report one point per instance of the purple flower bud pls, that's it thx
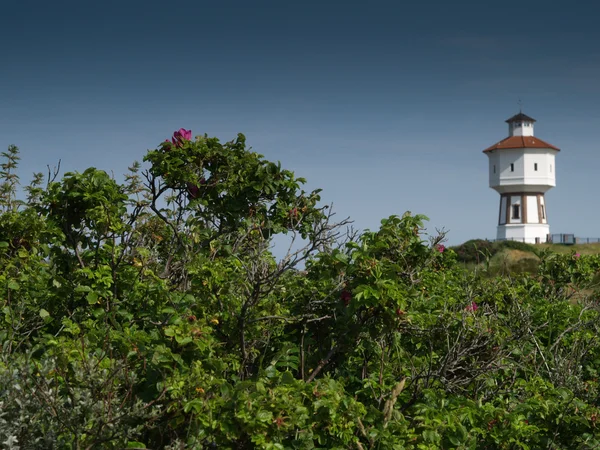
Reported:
(346, 296)
(193, 190)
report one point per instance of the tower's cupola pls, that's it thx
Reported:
(520, 125)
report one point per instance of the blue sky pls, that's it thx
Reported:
(386, 106)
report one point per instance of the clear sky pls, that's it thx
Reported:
(385, 105)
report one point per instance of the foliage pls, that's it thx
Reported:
(517, 245)
(475, 251)
(493, 258)
(478, 250)
(154, 314)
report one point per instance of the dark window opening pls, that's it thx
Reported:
(543, 212)
(535, 167)
(494, 168)
(516, 212)
(512, 167)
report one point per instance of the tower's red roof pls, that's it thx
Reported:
(520, 142)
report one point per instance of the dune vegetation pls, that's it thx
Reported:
(153, 314)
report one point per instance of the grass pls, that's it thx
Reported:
(511, 261)
(582, 249)
(510, 257)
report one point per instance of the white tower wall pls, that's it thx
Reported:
(531, 168)
(532, 213)
(532, 234)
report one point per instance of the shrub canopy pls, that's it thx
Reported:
(153, 314)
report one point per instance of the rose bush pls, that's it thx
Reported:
(153, 314)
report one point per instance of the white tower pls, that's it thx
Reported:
(521, 170)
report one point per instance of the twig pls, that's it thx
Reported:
(322, 364)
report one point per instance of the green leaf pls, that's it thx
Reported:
(12, 284)
(92, 298)
(287, 378)
(170, 331)
(431, 436)
(183, 340)
(454, 440)
(134, 444)
(264, 416)
(3, 244)
(44, 313)
(83, 289)
(195, 404)
(339, 256)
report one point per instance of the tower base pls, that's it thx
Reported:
(531, 233)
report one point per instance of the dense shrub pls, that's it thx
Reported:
(475, 251)
(516, 245)
(152, 314)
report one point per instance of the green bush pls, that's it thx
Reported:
(475, 251)
(516, 245)
(152, 314)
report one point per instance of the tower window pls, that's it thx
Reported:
(516, 212)
(550, 168)
(543, 212)
(494, 168)
(535, 166)
(512, 167)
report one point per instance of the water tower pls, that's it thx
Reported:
(521, 170)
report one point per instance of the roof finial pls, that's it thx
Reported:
(520, 103)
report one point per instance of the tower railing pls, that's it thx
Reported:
(561, 238)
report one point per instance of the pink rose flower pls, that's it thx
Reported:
(441, 248)
(472, 307)
(577, 255)
(186, 134)
(181, 135)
